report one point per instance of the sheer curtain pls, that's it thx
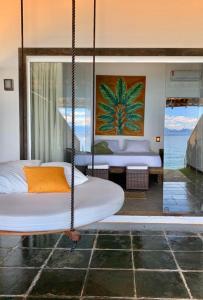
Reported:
(49, 130)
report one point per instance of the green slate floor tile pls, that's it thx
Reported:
(86, 242)
(10, 241)
(21, 257)
(147, 232)
(195, 283)
(119, 232)
(180, 233)
(52, 297)
(15, 281)
(60, 283)
(112, 259)
(88, 231)
(113, 242)
(150, 243)
(190, 260)
(109, 283)
(154, 260)
(65, 258)
(185, 243)
(3, 253)
(160, 285)
(12, 298)
(41, 241)
(108, 298)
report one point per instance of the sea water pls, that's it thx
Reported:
(175, 151)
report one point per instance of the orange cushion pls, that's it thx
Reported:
(46, 180)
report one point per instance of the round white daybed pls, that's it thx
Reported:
(95, 200)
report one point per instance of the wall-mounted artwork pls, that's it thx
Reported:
(120, 102)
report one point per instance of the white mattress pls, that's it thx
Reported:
(150, 159)
(95, 200)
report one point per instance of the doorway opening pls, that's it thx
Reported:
(183, 148)
(155, 200)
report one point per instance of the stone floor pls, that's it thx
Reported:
(105, 265)
(143, 202)
(175, 176)
(183, 198)
(178, 195)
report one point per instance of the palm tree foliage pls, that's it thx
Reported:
(120, 111)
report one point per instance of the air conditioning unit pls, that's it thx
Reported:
(186, 75)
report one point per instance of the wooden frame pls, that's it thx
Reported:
(74, 235)
(8, 84)
(81, 52)
(118, 125)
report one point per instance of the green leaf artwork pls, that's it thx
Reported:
(120, 110)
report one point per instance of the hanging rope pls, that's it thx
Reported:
(22, 67)
(73, 117)
(93, 84)
(22, 34)
(73, 234)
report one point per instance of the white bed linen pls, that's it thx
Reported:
(136, 146)
(95, 200)
(120, 159)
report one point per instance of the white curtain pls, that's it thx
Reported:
(49, 130)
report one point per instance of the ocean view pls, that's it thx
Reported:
(174, 151)
(180, 122)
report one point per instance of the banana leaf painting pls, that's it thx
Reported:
(120, 104)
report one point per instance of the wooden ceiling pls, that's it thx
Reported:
(178, 102)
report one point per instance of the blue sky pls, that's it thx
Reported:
(175, 118)
(82, 125)
(182, 117)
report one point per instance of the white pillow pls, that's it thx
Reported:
(137, 146)
(79, 177)
(12, 177)
(113, 145)
(22, 163)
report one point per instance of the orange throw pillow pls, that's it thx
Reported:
(46, 180)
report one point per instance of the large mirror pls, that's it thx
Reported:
(161, 127)
(183, 141)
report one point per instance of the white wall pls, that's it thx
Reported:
(9, 101)
(154, 97)
(129, 23)
(9, 117)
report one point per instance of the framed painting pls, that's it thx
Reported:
(120, 105)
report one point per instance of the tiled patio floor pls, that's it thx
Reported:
(178, 195)
(183, 198)
(105, 265)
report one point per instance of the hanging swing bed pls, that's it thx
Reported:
(34, 214)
